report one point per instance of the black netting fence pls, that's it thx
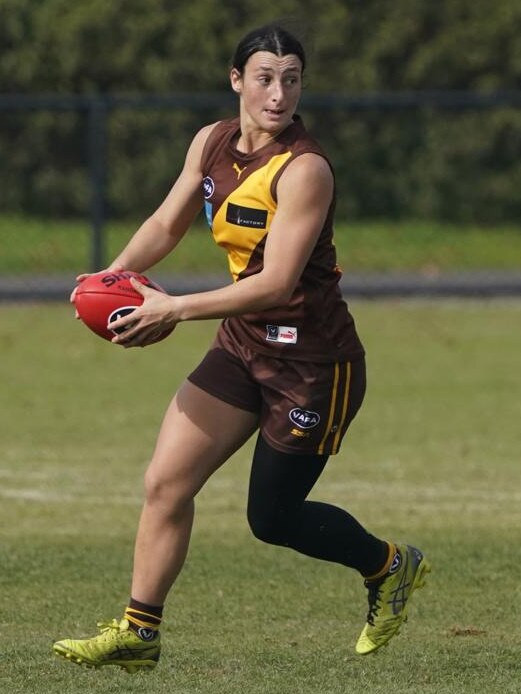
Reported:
(428, 186)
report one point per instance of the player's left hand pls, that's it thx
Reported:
(148, 322)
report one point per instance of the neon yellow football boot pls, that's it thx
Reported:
(116, 644)
(388, 598)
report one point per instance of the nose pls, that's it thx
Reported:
(277, 91)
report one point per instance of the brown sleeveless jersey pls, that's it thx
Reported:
(240, 192)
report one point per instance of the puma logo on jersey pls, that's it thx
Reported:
(238, 169)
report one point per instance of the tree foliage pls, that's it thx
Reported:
(459, 165)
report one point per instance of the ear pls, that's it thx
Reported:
(236, 80)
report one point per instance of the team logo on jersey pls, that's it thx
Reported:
(281, 333)
(304, 419)
(208, 187)
(246, 216)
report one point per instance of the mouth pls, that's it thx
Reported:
(275, 111)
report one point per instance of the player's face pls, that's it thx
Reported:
(270, 88)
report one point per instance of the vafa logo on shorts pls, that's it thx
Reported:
(281, 333)
(304, 419)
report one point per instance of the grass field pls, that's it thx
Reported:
(432, 459)
(32, 245)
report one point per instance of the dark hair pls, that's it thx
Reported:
(271, 38)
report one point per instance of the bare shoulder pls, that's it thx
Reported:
(203, 134)
(195, 151)
(310, 169)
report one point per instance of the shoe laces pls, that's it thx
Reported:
(107, 628)
(373, 595)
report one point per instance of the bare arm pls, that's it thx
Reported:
(304, 194)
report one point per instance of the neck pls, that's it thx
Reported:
(252, 138)
(250, 142)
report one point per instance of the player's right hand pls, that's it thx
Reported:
(79, 279)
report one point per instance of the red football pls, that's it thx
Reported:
(104, 297)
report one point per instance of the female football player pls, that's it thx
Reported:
(286, 361)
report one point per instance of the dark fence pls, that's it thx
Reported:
(97, 109)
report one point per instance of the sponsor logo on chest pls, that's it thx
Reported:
(246, 216)
(281, 333)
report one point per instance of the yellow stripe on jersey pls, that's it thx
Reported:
(331, 410)
(253, 193)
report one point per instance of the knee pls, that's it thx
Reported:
(271, 528)
(155, 485)
(165, 494)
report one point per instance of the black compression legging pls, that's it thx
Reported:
(279, 514)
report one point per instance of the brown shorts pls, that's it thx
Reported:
(304, 407)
